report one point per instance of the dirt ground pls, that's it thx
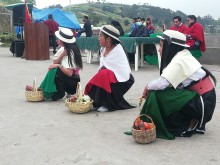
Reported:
(47, 133)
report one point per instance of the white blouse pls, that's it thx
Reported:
(161, 83)
(64, 61)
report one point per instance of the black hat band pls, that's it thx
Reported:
(110, 32)
(166, 37)
(64, 35)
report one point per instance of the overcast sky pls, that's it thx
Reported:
(196, 7)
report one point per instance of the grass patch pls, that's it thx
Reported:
(5, 44)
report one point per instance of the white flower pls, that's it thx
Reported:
(86, 98)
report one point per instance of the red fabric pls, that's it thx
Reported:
(27, 14)
(197, 33)
(202, 86)
(52, 26)
(181, 29)
(102, 79)
(150, 26)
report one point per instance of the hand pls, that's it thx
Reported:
(145, 93)
(53, 66)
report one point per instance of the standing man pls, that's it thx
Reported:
(178, 25)
(87, 27)
(195, 34)
(53, 26)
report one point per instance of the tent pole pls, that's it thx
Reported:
(69, 4)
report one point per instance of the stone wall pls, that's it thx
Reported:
(212, 54)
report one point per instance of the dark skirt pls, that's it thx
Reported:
(114, 100)
(64, 84)
(178, 122)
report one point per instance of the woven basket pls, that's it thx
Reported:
(146, 136)
(79, 106)
(34, 95)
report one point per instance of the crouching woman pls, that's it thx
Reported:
(182, 100)
(114, 76)
(63, 74)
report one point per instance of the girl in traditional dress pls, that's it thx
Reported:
(63, 74)
(114, 77)
(182, 100)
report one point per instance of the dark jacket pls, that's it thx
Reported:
(140, 31)
(87, 28)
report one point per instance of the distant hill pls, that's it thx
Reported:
(103, 13)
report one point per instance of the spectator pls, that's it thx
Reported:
(53, 26)
(143, 21)
(133, 26)
(150, 26)
(195, 34)
(178, 25)
(139, 31)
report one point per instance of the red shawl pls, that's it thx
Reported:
(182, 28)
(197, 33)
(102, 79)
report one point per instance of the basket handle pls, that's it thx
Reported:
(35, 84)
(146, 116)
(78, 90)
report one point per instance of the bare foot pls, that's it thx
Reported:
(29, 88)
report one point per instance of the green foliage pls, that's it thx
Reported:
(6, 38)
(102, 13)
(56, 6)
(7, 2)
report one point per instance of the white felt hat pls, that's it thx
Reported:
(65, 35)
(174, 37)
(111, 31)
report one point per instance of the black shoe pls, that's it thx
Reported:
(187, 133)
(200, 130)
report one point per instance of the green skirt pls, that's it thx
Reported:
(160, 104)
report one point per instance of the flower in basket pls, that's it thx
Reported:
(80, 98)
(86, 98)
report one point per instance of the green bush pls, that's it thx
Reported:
(7, 38)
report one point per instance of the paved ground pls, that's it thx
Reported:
(47, 133)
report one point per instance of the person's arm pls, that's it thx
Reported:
(66, 71)
(59, 58)
(158, 84)
(84, 28)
